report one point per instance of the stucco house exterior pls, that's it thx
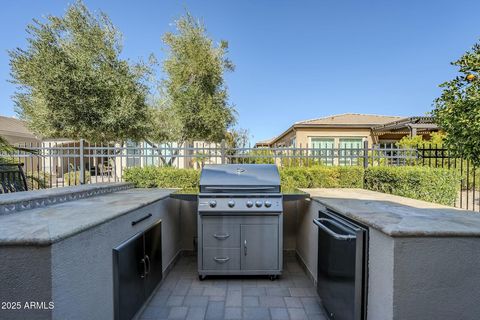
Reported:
(349, 130)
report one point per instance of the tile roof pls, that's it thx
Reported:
(265, 142)
(350, 119)
(15, 127)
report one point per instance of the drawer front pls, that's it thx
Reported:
(221, 235)
(221, 259)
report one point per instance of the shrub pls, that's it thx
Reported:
(321, 177)
(430, 184)
(300, 162)
(162, 177)
(258, 156)
(294, 177)
(73, 178)
(351, 177)
(38, 179)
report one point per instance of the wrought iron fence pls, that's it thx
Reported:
(62, 163)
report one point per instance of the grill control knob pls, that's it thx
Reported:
(249, 204)
(268, 204)
(258, 204)
(231, 203)
(212, 203)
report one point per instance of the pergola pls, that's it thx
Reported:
(412, 126)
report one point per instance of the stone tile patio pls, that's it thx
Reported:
(183, 296)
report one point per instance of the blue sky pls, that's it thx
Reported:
(294, 60)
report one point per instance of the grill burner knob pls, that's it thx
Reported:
(231, 203)
(249, 204)
(258, 204)
(268, 204)
(212, 203)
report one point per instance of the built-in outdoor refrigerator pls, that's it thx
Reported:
(342, 266)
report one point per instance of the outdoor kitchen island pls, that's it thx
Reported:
(56, 245)
(423, 259)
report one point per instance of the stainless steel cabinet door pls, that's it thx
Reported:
(259, 249)
(129, 273)
(153, 257)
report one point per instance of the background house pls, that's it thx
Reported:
(15, 131)
(104, 162)
(349, 130)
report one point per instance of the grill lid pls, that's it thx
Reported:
(240, 178)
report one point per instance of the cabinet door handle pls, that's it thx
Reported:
(147, 259)
(144, 268)
(141, 219)
(221, 236)
(245, 247)
(221, 260)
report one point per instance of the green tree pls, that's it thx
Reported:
(237, 138)
(195, 96)
(5, 147)
(73, 84)
(457, 110)
(436, 140)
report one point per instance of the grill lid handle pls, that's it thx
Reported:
(240, 188)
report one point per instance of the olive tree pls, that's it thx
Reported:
(72, 83)
(194, 104)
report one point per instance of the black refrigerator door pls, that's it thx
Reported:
(128, 277)
(340, 267)
(153, 257)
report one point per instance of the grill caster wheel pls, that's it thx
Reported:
(201, 277)
(273, 277)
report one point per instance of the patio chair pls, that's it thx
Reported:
(12, 178)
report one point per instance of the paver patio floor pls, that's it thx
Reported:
(183, 296)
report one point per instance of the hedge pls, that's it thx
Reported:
(430, 184)
(322, 177)
(293, 177)
(162, 177)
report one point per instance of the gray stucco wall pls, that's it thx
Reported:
(423, 278)
(24, 274)
(307, 235)
(437, 278)
(290, 223)
(188, 224)
(380, 283)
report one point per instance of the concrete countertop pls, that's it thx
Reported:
(46, 225)
(19, 201)
(398, 216)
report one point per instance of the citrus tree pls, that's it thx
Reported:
(457, 110)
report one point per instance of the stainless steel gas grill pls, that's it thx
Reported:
(240, 216)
